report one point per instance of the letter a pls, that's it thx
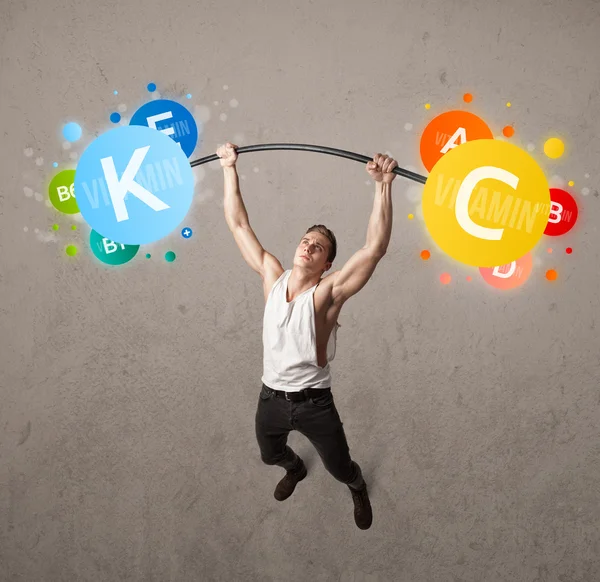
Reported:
(451, 143)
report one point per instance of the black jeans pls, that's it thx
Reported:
(318, 420)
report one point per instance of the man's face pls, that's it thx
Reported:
(316, 247)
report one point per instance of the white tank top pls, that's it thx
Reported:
(289, 341)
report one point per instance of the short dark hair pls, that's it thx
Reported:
(329, 234)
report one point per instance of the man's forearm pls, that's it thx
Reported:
(235, 211)
(380, 223)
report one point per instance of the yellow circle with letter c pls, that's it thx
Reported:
(486, 203)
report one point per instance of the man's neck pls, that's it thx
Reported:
(300, 281)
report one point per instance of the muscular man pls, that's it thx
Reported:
(301, 312)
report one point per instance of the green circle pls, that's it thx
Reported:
(74, 227)
(148, 255)
(71, 250)
(110, 252)
(55, 227)
(61, 192)
(170, 256)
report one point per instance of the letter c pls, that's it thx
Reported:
(461, 209)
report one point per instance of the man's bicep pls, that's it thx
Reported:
(253, 252)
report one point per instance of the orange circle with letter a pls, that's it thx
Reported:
(449, 130)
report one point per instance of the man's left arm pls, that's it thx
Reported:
(379, 231)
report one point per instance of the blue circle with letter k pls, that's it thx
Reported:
(134, 185)
(170, 118)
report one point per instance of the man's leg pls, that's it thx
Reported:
(319, 421)
(273, 424)
(272, 428)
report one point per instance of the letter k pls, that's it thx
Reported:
(119, 188)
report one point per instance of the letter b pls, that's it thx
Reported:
(556, 209)
(110, 246)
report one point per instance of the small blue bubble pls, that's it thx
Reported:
(115, 92)
(115, 117)
(189, 95)
(186, 232)
(72, 131)
(55, 164)
(151, 87)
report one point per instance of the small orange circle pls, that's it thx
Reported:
(469, 278)
(508, 131)
(550, 250)
(445, 278)
(551, 275)
(468, 97)
(425, 255)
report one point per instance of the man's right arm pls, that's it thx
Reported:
(235, 211)
(237, 220)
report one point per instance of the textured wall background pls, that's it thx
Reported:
(128, 394)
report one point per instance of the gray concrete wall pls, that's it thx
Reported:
(127, 447)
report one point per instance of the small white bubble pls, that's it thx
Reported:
(25, 229)
(234, 103)
(225, 87)
(238, 138)
(28, 152)
(122, 108)
(39, 161)
(66, 145)
(48, 204)
(199, 174)
(557, 181)
(215, 102)
(243, 176)
(537, 261)
(419, 212)
(36, 230)
(587, 175)
(204, 195)
(530, 147)
(408, 126)
(255, 170)
(46, 237)
(500, 137)
(73, 155)
(223, 117)
(368, 182)
(28, 192)
(585, 191)
(414, 193)
(202, 113)
(38, 197)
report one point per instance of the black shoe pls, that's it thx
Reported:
(286, 486)
(363, 514)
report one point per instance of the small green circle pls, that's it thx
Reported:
(61, 192)
(74, 227)
(148, 255)
(111, 252)
(55, 227)
(71, 250)
(170, 256)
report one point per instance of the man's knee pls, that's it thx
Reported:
(270, 460)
